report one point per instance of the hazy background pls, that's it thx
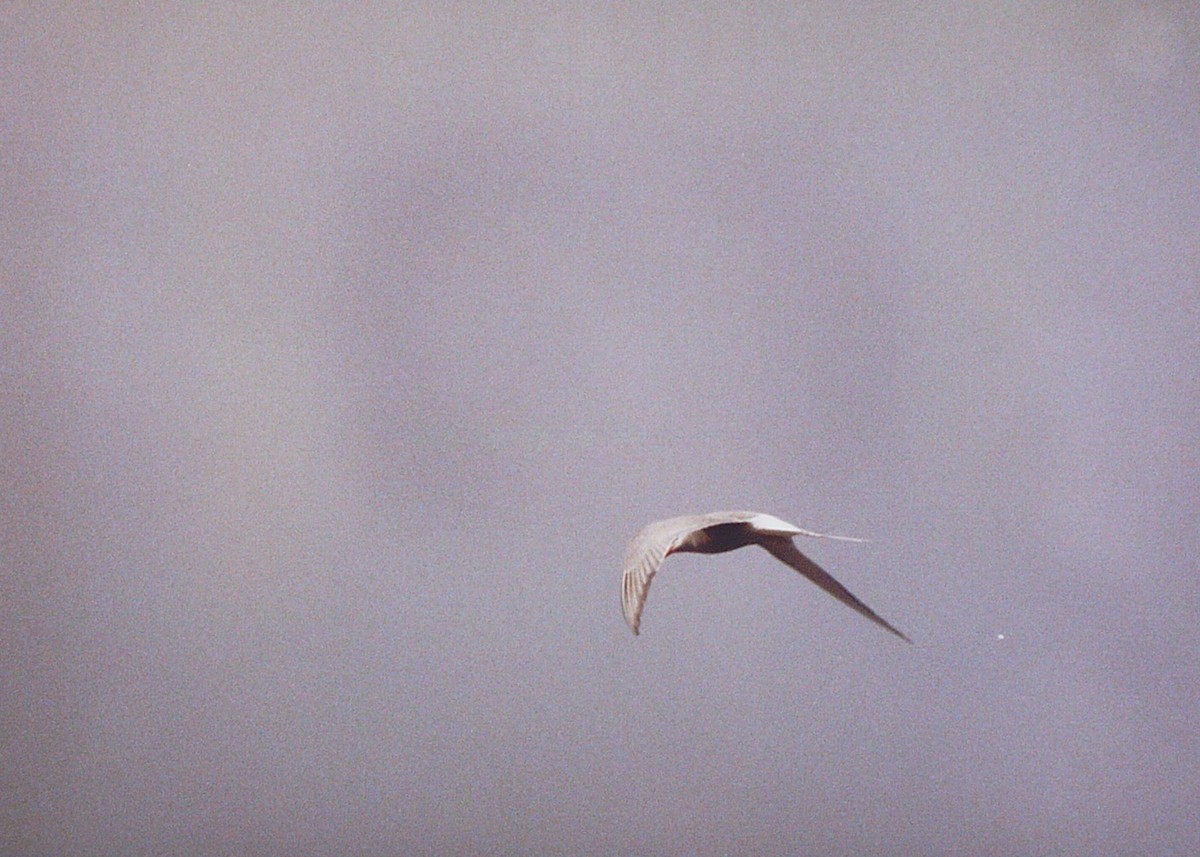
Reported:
(342, 353)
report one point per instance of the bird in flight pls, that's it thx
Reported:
(718, 532)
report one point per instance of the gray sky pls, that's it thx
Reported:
(342, 354)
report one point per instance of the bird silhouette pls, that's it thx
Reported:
(718, 532)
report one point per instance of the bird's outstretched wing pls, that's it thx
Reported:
(645, 554)
(783, 549)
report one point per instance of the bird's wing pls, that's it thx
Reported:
(645, 554)
(783, 549)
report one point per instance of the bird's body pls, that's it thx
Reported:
(718, 532)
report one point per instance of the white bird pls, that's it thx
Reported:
(718, 532)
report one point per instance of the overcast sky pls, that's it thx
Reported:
(343, 352)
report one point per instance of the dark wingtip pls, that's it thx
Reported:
(888, 626)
